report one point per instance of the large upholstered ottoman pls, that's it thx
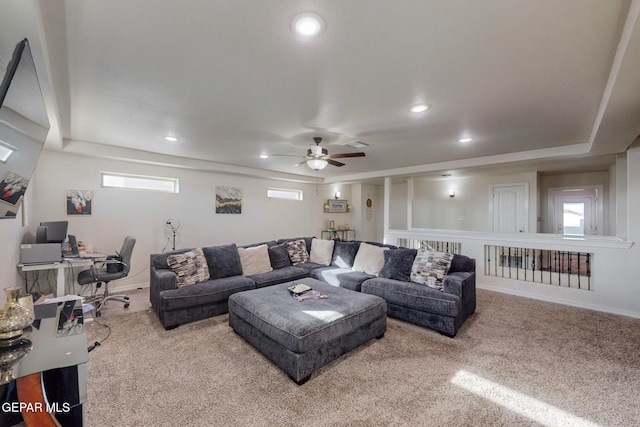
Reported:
(301, 337)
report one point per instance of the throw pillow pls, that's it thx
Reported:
(190, 267)
(279, 257)
(321, 251)
(344, 253)
(369, 259)
(223, 260)
(255, 260)
(297, 252)
(430, 267)
(398, 263)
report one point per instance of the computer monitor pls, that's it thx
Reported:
(56, 231)
(41, 234)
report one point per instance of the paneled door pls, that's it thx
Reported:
(509, 208)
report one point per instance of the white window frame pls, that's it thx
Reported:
(136, 182)
(272, 193)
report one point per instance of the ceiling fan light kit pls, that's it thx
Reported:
(317, 164)
(317, 157)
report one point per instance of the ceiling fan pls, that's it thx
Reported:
(318, 158)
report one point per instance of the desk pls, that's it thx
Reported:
(61, 268)
(55, 367)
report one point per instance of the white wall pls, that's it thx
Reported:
(468, 210)
(368, 220)
(621, 197)
(398, 206)
(142, 214)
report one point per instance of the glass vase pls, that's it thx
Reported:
(10, 355)
(13, 316)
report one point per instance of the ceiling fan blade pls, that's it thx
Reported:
(338, 156)
(285, 155)
(300, 163)
(333, 162)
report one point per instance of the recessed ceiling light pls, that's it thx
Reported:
(465, 140)
(264, 156)
(308, 24)
(419, 108)
(171, 138)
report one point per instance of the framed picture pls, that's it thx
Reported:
(337, 205)
(79, 202)
(12, 188)
(228, 200)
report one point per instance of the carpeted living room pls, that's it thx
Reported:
(516, 361)
(320, 213)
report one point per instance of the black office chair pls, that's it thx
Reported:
(104, 271)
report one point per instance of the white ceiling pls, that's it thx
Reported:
(530, 81)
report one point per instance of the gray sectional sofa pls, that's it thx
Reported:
(442, 310)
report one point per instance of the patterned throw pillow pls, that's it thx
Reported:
(190, 267)
(298, 252)
(430, 267)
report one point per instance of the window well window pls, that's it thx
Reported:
(139, 182)
(281, 193)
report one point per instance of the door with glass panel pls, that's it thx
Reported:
(574, 215)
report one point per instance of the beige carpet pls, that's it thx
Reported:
(516, 362)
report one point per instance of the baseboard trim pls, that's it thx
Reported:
(562, 301)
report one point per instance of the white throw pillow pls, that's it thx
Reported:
(255, 260)
(321, 251)
(369, 259)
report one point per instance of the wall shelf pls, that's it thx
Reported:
(343, 235)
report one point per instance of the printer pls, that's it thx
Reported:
(40, 253)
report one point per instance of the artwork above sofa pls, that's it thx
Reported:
(432, 289)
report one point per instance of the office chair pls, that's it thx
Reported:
(104, 271)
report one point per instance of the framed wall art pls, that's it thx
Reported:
(228, 200)
(336, 205)
(79, 202)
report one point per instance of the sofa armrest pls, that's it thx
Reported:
(160, 279)
(463, 285)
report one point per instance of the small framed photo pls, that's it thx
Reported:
(79, 202)
(337, 205)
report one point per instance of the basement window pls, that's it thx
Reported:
(281, 193)
(139, 182)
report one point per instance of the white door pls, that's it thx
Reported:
(509, 208)
(574, 215)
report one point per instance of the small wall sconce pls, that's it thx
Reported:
(348, 208)
(337, 195)
(452, 192)
(326, 207)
